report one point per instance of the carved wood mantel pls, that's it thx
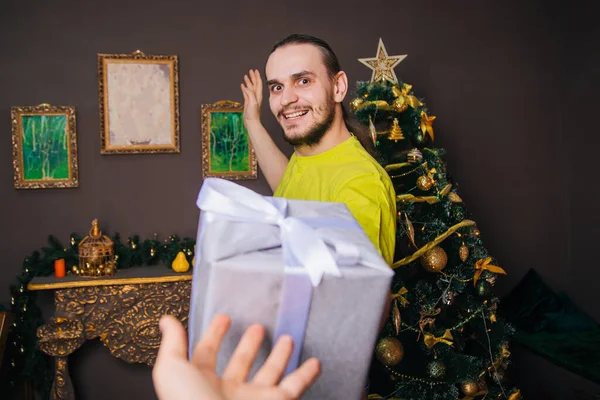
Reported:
(122, 310)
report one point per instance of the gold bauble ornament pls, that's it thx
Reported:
(354, 104)
(434, 260)
(469, 388)
(414, 156)
(463, 253)
(389, 351)
(400, 104)
(424, 183)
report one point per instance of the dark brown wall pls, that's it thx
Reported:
(499, 76)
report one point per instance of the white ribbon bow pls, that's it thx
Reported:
(302, 245)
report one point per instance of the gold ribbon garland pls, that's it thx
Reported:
(484, 265)
(391, 167)
(430, 340)
(383, 105)
(402, 97)
(432, 244)
(377, 396)
(423, 199)
(418, 199)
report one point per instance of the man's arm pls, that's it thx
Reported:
(271, 160)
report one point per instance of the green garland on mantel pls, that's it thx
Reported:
(26, 361)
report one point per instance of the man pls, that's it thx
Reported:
(306, 90)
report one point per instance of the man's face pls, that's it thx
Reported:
(301, 93)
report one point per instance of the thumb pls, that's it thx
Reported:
(174, 339)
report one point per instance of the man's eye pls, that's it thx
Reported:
(275, 88)
(304, 81)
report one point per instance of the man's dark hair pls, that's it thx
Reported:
(332, 64)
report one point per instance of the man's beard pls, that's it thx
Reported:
(315, 133)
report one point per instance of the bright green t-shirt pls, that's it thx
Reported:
(347, 174)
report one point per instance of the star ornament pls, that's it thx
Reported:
(383, 65)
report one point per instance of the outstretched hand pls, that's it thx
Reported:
(176, 377)
(253, 94)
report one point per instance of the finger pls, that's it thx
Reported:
(259, 87)
(257, 78)
(253, 75)
(273, 368)
(241, 361)
(249, 82)
(174, 339)
(298, 381)
(205, 352)
(244, 93)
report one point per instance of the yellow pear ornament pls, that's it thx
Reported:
(180, 264)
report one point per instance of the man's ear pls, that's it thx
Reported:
(340, 86)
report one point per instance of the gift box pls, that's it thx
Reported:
(302, 268)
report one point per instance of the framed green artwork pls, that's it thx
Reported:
(44, 140)
(226, 149)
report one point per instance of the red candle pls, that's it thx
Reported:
(59, 268)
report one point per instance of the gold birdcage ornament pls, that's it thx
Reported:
(96, 254)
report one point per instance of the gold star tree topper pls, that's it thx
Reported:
(383, 65)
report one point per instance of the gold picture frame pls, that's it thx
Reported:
(226, 148)
(139, 103)
(44, 140)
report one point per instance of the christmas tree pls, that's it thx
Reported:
(443, 339)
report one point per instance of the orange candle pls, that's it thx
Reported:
(59, 268)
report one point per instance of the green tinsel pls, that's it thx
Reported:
(26, 362)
